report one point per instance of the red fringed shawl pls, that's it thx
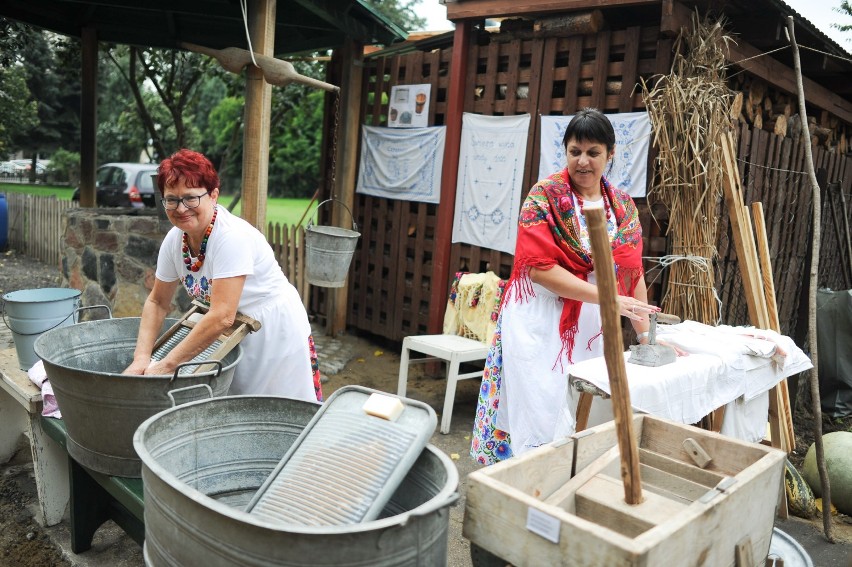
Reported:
(548, 234)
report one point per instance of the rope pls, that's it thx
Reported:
(702, 263)
(248, 35)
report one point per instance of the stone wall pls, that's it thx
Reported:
(111, 256)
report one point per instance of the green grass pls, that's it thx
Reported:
(60, 191)
(283, 211)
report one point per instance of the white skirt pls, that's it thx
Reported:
(276, 359)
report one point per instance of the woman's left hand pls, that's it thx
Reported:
(160, 368)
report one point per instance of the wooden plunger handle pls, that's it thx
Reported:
(614, 353)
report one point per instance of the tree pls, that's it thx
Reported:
(18, 110)
(173, 75)
(400, 12)
(844, 8)
(51, 91)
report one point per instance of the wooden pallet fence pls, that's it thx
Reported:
(288, 245)
(36, 224)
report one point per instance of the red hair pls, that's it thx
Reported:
(193, 167)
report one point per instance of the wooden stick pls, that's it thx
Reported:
(614, 354)
(782, 391)
(812, 292)
(846, 226)
(743, 240)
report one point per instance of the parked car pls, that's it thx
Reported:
(124, 185)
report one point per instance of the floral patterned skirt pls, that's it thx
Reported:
(489, 444)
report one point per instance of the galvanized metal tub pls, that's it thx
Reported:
(102, 407)
(203, 461)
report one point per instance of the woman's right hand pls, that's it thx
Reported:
(137, 367)
(634, 309)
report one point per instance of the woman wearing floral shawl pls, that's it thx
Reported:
(550, 316)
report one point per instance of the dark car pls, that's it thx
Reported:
(124, 185)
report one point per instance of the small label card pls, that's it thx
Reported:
(543, 524)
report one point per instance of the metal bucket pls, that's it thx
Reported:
(329, 251)
(102, 407)
(784, 551)
(203, 462)
(30, 312)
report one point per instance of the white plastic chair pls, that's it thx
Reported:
(452, 349)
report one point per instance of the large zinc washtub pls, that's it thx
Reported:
(203, 461)
(102, 407)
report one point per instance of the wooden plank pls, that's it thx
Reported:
(774, 72)
(599, 500)
(680, 469)
(743, 239)
(572, 83)
(666, 484)
(563, 497)
(601, 69)
(480, 9)
(730, 456)
(631, 63)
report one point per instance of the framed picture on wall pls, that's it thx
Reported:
(409, 106)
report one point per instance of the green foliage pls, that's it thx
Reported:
(18, 111)
(65, 166)
(294, 148)
(400, 12)
(844, 8)
(55, 91)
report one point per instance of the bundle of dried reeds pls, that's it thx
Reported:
(689, 109)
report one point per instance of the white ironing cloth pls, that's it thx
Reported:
(725, 364)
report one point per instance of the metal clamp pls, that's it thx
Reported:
(721, 487)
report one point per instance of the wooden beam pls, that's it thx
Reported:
(675, 15)
(479, 9)
(628, 447)
(449, 174)
(348, 136)
(257, 117)
(88, 116)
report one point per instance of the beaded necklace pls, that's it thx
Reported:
(580, 201)
(187, 253)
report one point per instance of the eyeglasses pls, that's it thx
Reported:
(191, 202)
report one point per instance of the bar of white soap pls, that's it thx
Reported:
(385, 407)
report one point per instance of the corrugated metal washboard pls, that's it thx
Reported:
(348, 461)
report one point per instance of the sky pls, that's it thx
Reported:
(819, 12)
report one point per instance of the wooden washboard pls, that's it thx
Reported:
(227, 341)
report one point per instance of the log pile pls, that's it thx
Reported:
(761, 106)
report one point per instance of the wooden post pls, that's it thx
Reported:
(88, 116)
(347, 165)
(812, 331)
(257, 116)
(614, 354)
(449, 175)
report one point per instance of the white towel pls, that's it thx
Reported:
(38, 376)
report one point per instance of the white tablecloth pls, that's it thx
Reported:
(726, 366)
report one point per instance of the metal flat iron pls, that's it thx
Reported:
(653, 354)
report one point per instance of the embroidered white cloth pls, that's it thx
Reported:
(632, 140)
(730, 366)
(491, 168)
(402, 164)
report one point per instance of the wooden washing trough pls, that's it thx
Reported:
(564, 503)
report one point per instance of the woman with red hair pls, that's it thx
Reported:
(227, 264)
